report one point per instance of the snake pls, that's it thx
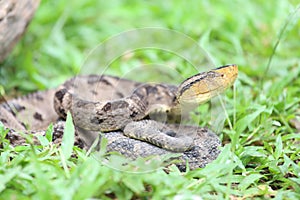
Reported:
(136, 119)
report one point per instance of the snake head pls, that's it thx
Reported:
(203, 86)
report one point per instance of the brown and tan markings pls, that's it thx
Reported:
(134, 117)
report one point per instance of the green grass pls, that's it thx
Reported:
(260, 157)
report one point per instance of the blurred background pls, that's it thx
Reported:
(62, 33)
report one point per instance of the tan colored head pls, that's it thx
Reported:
(203, 86)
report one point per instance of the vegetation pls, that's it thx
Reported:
(260, 156)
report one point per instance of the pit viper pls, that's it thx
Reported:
(137, 119)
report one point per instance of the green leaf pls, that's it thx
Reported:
(254, 151)
(89, 178)
(278, 147)
(8, 176)
(68, 137)
(248, 180)
(242, 124)
(43, 140)
(134, 183)
(49, 133)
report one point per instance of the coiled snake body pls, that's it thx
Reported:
(134, 117)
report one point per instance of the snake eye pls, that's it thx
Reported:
(171, 133)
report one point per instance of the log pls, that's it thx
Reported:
(15, 16)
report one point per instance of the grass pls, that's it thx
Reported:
(260, 156)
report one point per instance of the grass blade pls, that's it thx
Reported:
(68, 137)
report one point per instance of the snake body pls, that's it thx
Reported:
(134, 117)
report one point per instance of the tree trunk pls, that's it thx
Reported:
(15, 15)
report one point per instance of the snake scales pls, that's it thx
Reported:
(132, 116)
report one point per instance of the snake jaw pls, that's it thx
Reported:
(203, 86)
